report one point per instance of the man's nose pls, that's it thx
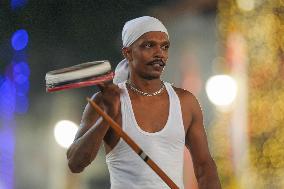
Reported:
(159, 52)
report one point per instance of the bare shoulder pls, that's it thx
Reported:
(190, 107)
(186, 97)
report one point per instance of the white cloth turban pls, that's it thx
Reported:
(132, 30)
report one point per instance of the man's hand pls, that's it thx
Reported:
(110, 98)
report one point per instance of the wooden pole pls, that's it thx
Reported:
(134, 146)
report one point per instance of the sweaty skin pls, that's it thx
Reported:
(147, 57)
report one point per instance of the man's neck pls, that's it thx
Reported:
(146, 85)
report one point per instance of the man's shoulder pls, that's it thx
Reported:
(183, 93)
(185, 96)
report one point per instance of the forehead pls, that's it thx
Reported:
(153, 36)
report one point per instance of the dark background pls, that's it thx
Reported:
(64, 33)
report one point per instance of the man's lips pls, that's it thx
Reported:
(159, 62)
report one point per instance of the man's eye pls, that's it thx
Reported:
(148, 45)
(166, 47)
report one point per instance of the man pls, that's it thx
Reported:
(159, 117)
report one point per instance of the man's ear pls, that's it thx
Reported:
(126, 51)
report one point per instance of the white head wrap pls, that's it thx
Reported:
(132, 30)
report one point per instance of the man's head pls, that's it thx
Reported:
(147, 56)
(145, 47)
(135, 28)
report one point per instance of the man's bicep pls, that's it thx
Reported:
(89, 117)
(196, 140)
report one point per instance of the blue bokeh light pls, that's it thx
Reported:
(23, 88)
(14, 86)
(20, 39)
(2, 79)
(21, 68)
(21, 72)
(22, 104)
(21, 79)
(16, 4)
(7, 148)
(7, 99)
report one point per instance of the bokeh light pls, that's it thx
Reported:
(221, 90)
(64, 133)
(262, 27)
(22, 104)
(7, 98)
(20, 39)
(7, 149)
(21, 72)
(1, 80)
(246, 5)
(1, 184)
(16, 4)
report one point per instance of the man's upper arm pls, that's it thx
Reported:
(89, 117)
(196, 140)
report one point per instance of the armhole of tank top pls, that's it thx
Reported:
(176, 98)
(110, 153)
(181, 113)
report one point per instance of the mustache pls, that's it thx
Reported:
(159, 61)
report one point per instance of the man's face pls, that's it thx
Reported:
(148, 55)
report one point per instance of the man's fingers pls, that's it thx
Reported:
(101, 86)
(109, 87)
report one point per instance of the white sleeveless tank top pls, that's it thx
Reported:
(165, 147)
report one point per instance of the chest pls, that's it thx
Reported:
(151, 113)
